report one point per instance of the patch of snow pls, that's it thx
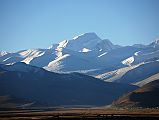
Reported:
(116, 74)
(147, 80)
(63, 44)
(58, 59)
(102, 54)
(31, 55)
(26, 53)
(128, 61)
(136, 53)
(85, 50)
(10, 63)
(151, 52)
(6, 59)
(27, 60)
(58, 54)
(2, 53)
(55, 65)
(77, 36)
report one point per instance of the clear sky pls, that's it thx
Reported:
(39, 23)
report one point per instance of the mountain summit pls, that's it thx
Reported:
(155, 44)
(86, 42)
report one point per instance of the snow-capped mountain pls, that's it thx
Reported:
(83, 52)
(86, 53)
(86, 42)
(155, 44)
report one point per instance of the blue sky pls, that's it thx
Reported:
(28, 24)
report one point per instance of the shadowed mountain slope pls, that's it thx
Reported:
(36, 84)
(146, 96)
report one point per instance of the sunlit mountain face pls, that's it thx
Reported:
(84, 53)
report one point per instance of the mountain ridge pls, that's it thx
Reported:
(84, 53)
(145, 97)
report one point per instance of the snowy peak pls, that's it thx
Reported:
(86, 42)
(86, 37)
(155, 44)
(157, 41)
(2, 53)
(62, 44)
(78, 43)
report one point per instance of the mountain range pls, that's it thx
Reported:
(80, 70)
(89, 50)
(40, 86)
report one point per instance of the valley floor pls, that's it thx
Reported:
(80, 113)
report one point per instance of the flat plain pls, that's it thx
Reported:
(79, 113)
